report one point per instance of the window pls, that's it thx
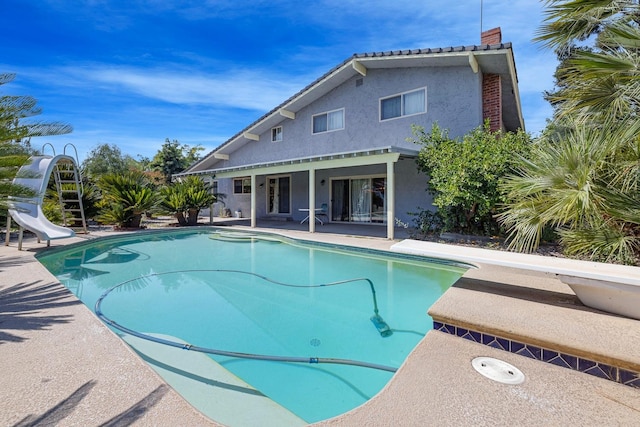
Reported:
(242, 186)
(276, 134)
(404, 104)
(327, 122)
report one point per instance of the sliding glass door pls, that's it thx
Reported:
(359, 199)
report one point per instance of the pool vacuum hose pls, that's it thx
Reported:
(382, 326)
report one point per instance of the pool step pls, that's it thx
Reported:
(211, 388)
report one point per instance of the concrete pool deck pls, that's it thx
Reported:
(62, 366)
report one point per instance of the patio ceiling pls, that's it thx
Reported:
(325, 161)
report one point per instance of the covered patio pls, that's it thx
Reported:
(306, 185)
(329, 228)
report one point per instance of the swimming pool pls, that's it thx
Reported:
(265, 295)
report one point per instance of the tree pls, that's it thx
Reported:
(106, 159)
(464, 174)
(174, 157)
(16, 131)
(13, 112)
(584, 179)
(583, 183)
(603, 80)
(12, 156)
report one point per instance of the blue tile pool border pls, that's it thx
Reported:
(208, 229)
(591, 367)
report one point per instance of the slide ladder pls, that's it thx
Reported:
(27, 212)
(70, 189)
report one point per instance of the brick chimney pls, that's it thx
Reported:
(492, 36)
(491, 85)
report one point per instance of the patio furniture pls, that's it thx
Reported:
(317, 211)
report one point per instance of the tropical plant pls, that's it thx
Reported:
(173, 201)
(185, 198)
(582, 182)
(601, 81)
(125, 197)
(464, 174)
(12, 156)
(16, 131)
(585, 176)
(13, 112)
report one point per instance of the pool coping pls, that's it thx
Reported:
(38, 383)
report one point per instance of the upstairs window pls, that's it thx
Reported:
(276, 134)
(329, 121)
(242, 186)
(404, 104)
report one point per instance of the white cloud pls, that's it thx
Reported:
(246, 89)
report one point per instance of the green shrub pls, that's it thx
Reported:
(464, 174)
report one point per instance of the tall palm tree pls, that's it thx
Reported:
(584, 178)
(603, 81)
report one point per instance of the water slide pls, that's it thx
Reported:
(28, 212)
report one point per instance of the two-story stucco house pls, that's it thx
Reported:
(340, 144)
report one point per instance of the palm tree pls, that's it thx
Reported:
(15, 138)
(582, 183)
(604, 81)
(125, 197)
(584, 178)
(185, 198)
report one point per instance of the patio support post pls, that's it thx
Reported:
(312, 200)
(253, 201)
(391, 199)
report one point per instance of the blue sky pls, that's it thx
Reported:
(134, 72)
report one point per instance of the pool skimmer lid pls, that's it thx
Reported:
(498, 370)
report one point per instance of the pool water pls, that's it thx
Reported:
(261, 295)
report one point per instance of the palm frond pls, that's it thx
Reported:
(606, 243)
(569, 20)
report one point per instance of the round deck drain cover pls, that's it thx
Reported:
(498, 370)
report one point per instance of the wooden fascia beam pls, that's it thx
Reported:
(251, 136)
(473, 62)
(220, 156)
(359, 67)
(288, 114)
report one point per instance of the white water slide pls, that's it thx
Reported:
(27, 212)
